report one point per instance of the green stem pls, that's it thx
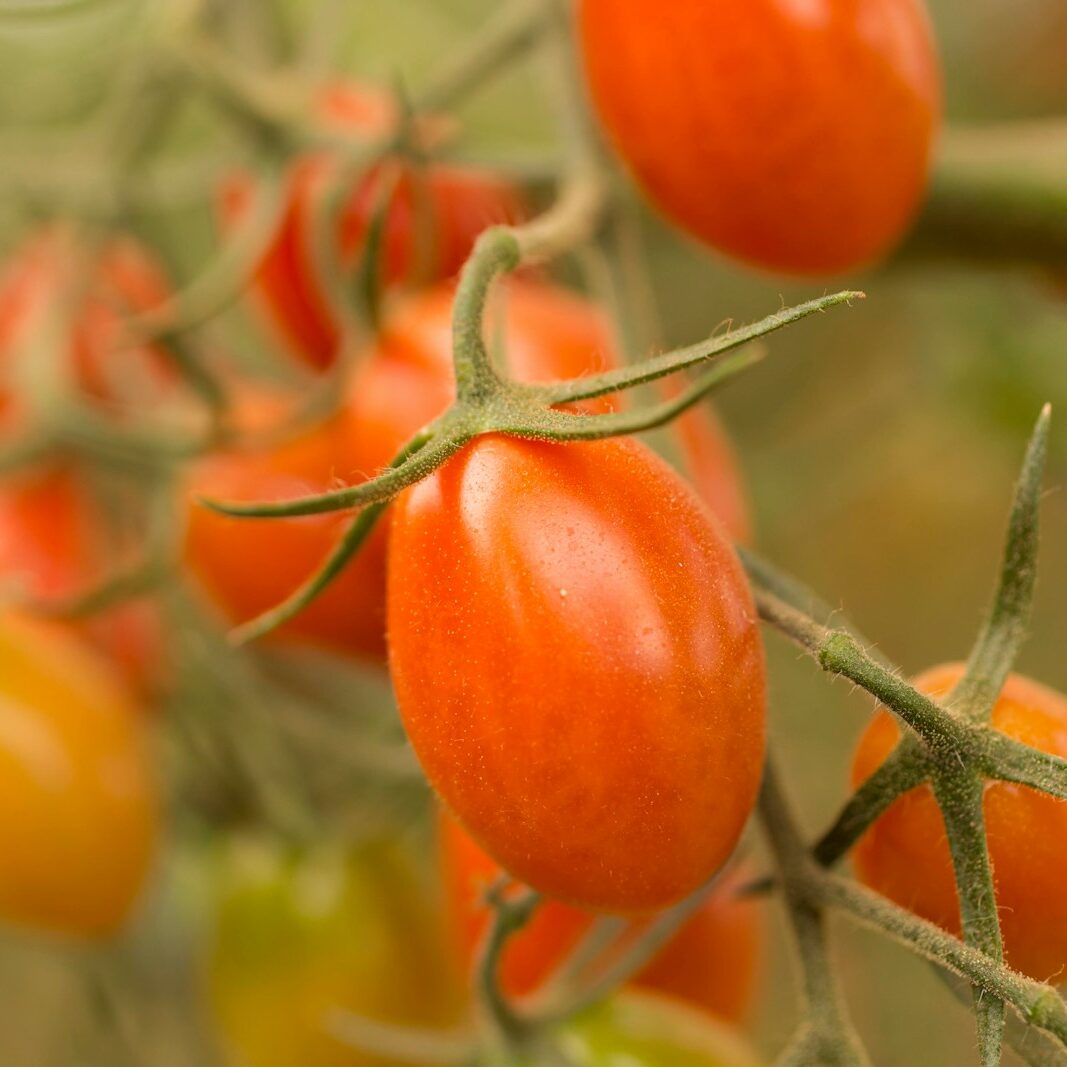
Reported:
(827, 1036)
(906, 768)
(1002, 636)
(960, 796)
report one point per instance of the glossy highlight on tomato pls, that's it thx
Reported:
(795, 135)
(455, 203)
(78, 793)
(578, 665)
(712, 961)
(299, 938)
(649, 1030)
(905, 855)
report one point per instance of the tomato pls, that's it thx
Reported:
(793, 136)
(247, 566)
(578, 665)
(99, 289)
(55, 545)
(78, 794)
(905, 855)
(711, 962)
(299, 938)
(459, 203)
(404, 380)
(652, 1031)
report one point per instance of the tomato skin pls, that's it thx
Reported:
(653, 1031)
(54, 547)
(905, 855)
(460, 202)
(247, 566)
(577, 663)
(78, 794)
(795, 137)
(712, 962)
(297, 938)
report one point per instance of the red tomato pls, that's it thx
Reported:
(250, 565)
(793, 135)
(300, 938)
(121, 279)
(459, 203)
(403, 382)
(712, 961)
(578, 665)
(78, 796)
(905, 855)
(55, 546)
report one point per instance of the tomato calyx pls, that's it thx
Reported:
(490, 402)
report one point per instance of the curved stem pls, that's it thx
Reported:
(424, 454)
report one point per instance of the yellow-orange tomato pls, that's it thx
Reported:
(712, 961)
(457, 202)
(78, 804)
(301, 939)
(905, 855)
(578, 665)
(793, 135)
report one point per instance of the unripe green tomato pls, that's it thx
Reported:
(299, 939)
(639, 1030)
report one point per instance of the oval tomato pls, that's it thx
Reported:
(78, 794)
(905, 855)
(652, 1031)
(297, 939)
(247, 566)
(578, 665)
(457, 202)
(404, 381)
(55, 545)
(711, 962)
(794, 136)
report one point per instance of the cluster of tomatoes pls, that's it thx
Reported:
(568, 629)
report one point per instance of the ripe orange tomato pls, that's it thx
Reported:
(55, 545)
(905, 855)
(793, 136)
(653, 1031)
(404, 380)
(247, 566)
(459, 203)
(51, 269)
(578, 665)
(297, 939)
(712, 961)
(78, 795)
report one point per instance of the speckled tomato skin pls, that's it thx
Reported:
(794, 135)
(905, 855)
(578, 665)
